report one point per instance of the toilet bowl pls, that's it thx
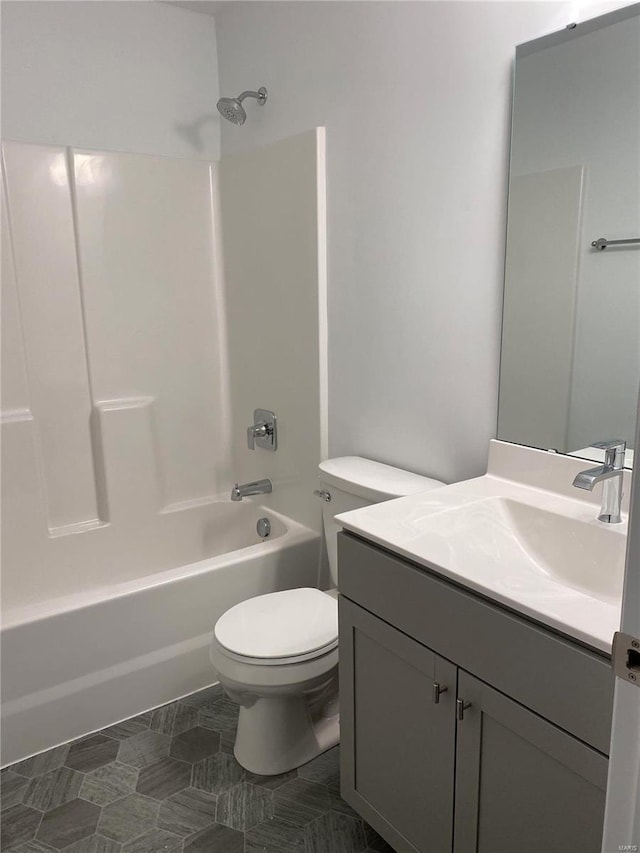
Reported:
(276, 655)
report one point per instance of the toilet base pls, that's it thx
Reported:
(279, 733)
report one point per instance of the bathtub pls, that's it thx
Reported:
(77, 663)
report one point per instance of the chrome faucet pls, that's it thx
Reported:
(611, 473)
(260, 487)
(263, 432)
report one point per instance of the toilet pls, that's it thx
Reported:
(276, 655)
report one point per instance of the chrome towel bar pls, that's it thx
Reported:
(602, 242)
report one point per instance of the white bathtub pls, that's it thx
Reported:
(75, 664)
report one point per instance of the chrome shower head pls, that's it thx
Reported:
(232, 109)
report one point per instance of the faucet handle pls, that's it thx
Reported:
(262, 433)
(614, 451)
(256, 431)
(610, 443)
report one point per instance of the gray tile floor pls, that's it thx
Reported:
(167, 782)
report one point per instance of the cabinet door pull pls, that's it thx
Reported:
(437, 690)
(461, 707)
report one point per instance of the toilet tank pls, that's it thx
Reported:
(354, 482)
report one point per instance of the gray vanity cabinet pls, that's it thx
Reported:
(521, 783)
(521, 768)
(401, 740)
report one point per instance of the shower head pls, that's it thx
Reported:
(232, 109)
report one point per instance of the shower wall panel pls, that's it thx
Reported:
(274, 231)
(145, 239)
(44, 255)
(545, 209)
(114, 397)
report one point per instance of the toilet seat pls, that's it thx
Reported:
(280, 627)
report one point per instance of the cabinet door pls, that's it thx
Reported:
(522, 783)
(397, 743)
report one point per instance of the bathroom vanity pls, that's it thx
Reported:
(476, 687)
(465, 727)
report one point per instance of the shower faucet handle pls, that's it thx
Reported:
(253, 432)
(263, 432)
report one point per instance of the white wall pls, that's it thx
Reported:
(586, 9)
(120, 76)
(416, 100)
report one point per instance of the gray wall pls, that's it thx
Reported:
(416, 101)
(128, 76)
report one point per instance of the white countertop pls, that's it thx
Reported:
(463, 532)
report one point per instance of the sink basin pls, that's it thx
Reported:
(517, 543)
(520, 535)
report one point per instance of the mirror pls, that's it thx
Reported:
(570, 365)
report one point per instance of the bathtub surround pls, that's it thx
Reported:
(535, 380)
(108, 433)
(128, 384)
(121, 436)
(167, 780)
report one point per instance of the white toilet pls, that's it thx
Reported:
(277, 654)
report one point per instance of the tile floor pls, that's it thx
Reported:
(167, 782)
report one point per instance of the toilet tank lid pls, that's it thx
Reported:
(373, 480)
